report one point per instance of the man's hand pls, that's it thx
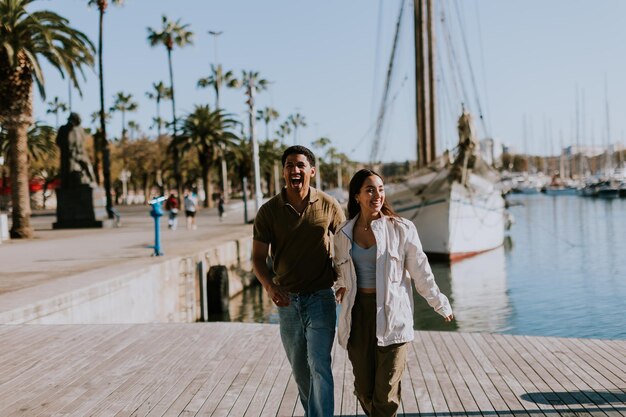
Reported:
(277, 295)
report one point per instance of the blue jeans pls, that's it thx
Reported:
(307, 329)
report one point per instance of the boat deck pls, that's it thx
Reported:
(237, 369)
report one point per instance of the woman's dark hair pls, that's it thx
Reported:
(299, 150)
(355, 187)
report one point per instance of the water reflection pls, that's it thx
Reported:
(476, 288)
(562, 272)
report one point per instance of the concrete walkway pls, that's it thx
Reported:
(46, 263)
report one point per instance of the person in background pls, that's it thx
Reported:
(171, 205)
(297, 225)
(191, 207)
(376, 256)
(220, 206)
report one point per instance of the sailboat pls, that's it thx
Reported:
(453, 200)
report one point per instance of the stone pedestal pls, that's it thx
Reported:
(80, 207)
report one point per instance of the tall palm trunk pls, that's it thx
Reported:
(158, 109)
(104, 143)
(18, 163)
(175, 153)
(206, 180)
(16, 115)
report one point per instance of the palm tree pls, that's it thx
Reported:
(40, 140)
(123, 103)
(159, 92)
(253, 83)
(216, 79)
(270, 152)
(134, 128)
(172, 33)
(24, 37)
(42, 152)
(206, 131)
(296, 120)
(54, 107)
(104, 142)
(267, 115)
(284, 130)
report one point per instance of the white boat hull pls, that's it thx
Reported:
(457, 221)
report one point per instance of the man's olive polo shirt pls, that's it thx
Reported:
(300, 244)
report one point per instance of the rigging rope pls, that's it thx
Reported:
(471, 68)
(383, 105)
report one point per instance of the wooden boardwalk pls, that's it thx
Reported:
(235, 369)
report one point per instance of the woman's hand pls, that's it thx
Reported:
(339, 293)
(449, 318)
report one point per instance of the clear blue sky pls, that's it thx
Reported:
(327, 62)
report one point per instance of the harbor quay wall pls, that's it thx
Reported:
(170, 289)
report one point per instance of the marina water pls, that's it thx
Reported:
(561, 272)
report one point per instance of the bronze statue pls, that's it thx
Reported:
(76, 168)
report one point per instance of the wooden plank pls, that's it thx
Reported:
(182, 343)
(435, 392)
(47, 348)
(615, 349)
(489, 369)
(462, 391)
(275, 397)
(238, 367)
(34, 388)
(473, 384)
(185, 401)
(262, 394)
(608, 357)
(418, 382)
(104, 376)
(407, 391)
(510, 375)
(575, 357)
(441, 372)
(240, 370)
(547, 384)
(165, 391)
(530, 380)
(246, 383)
(290, 399)
(568, 379)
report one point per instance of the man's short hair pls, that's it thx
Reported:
(299, 150)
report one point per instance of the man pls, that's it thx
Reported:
(296, 224)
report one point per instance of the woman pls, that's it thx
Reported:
(377, 253)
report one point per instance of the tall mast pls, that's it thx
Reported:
(424, 82)
(432, 145)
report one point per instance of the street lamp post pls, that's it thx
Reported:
(258, 197)
(225, 190)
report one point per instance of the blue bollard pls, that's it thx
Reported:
(156, 212)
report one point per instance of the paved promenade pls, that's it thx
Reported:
(44, 266)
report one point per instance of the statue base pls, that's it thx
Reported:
(80, 207)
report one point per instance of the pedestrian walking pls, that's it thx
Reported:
(191, 207)
(297, 225)
(171, 205)
(377, 255)
(220, 207)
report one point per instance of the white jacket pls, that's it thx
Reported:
(399, 258)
